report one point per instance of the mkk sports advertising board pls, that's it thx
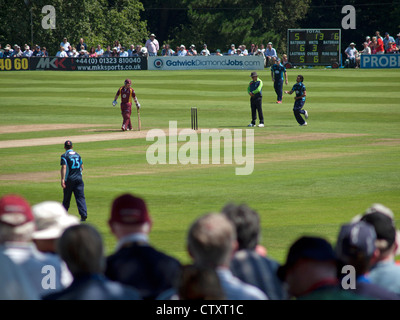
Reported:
(314, 46)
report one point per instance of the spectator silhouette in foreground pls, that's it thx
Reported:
(16, 228)
(310, 271)
(247, 264)
(355, 247)
(385, 272)
(135, 262)
(211, 242)
(81, 247)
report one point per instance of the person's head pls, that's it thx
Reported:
(377, 33)
(68, 145)
(37, 48)
(211, 241)
(127, 83)
(246, 222)
(92, 50)
(356, 246)
(381, 218)
(269, 45)
(365, 44)
(65, 40)
(16, 219)
(387, 35)
(99, 46)
(81, 247)
(254, 75)
(197, 283)
(51, 219)
(300, 78)
(277, 61)
(129, 214)
(152, 36)
(182, 47)
(81, 40)
(108, 48)
(309, 261)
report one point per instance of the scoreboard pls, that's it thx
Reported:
(314, 46)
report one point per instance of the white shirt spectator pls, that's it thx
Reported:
(65, 44)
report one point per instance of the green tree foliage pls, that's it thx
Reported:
(222, 22)
(96, 21)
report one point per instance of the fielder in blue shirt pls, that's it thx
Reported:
(299, 100)
(278, 72)
(71, 179)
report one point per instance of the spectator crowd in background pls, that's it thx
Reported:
(46, 253)
(375, 45)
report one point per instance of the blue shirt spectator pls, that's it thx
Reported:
(387, 41)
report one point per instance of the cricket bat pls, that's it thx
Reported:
(139, 122)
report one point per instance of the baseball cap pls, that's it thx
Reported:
(128, 209)
(15, 210)
(128, 81)
(51, 220)
(68, 143)
(278, 59)
(307, 247)
(254, 74)
(354, 239)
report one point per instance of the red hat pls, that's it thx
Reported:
(15, 210)
(128, 81)
(128, 209)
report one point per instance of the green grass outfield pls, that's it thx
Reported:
(306, 180)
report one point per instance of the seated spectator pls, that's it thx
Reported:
(368, 40)
(92, 52)
(115, 52)
(61, 53)
(131, 50)
(44, 52)
(388, 40)
(167, 51)
(192, 51)
(260, 53)
(351, 54)
(244, 50)
(270, 54)
(247, 264)
(137, 51)
(17, 53)
(310, 271)
(81, 247)
(123, 53)
(28, 52)
(232, 50)
(366, 50)
(37, 52)
(398, 40)
(135, 262)
(217, 52)
(211, 242)
(143, 52)
(393, 48)
(182, 51)
(253, 49)
(7, 51)
(83, 54)
(205, 51)
(239, 52)
(16, 229)
(355, 246)
(99, 51)
(108, 52)
(117, 45)
(385, 272)
(73, 53)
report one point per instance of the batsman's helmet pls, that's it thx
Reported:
(128, 81)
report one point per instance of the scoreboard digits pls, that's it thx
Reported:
(314, 46)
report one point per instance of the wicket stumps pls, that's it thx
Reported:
(195, 124)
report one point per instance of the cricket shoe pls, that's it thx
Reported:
(251, 125)
(304, 124)
(261, 125)
(306, 114)
(279, 101)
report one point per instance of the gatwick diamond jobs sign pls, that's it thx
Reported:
(206, 62)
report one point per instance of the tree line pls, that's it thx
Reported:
(219, 23)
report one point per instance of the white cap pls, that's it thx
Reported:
(51, 220)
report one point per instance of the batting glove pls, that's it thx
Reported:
(138, 106)
(114, 103)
